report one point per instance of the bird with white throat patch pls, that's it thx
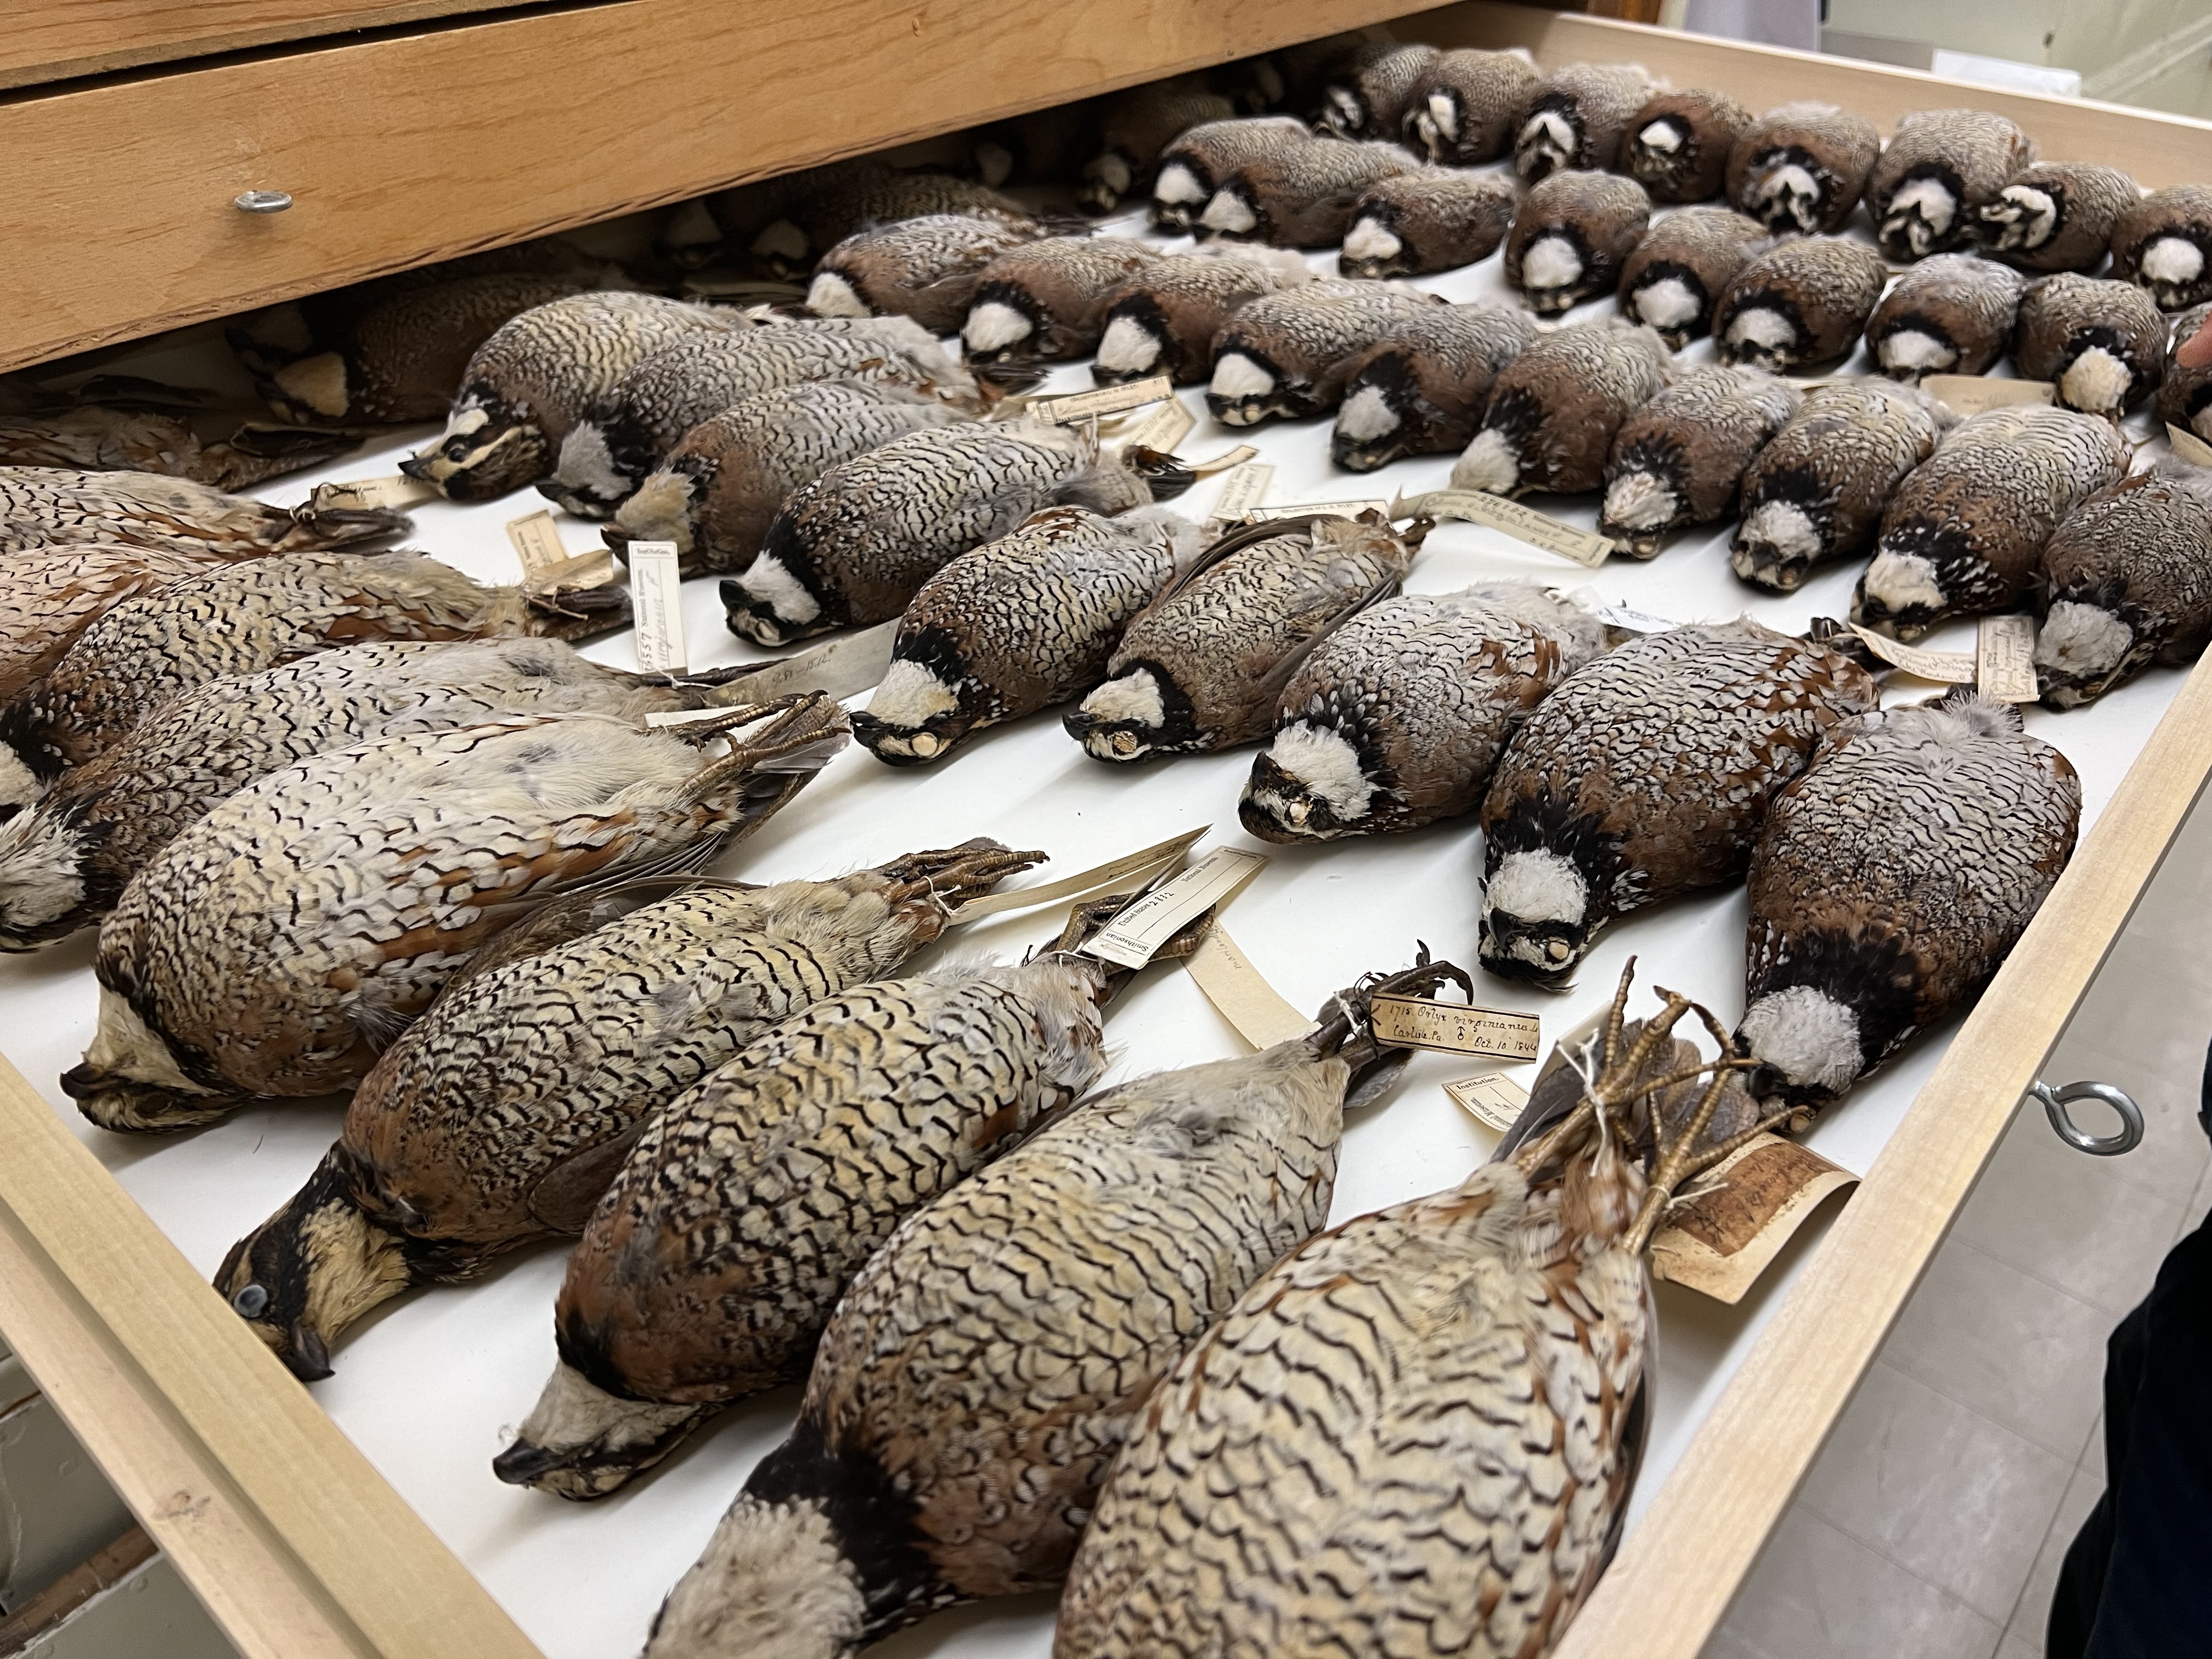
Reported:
(2056, 216)
(926, 269)
(2101, 343)
(1422, 388)
(1164, 319)
(1569, 236)
(1434, 219)
(1466, 108)
(2185, 393)
(1196, 165)
(2163, 244)
(1577, 117)
(1802, 304)
(1134, 127)
(1554, 409)
(1678, 144)
(1671, 280)
(1937, 173)
(1288, 354)
(1801, 167)
(1951, 314)
(1680, 460)
(1046, 300)
(2125, 582)
(1300, 196)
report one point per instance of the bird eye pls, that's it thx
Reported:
(249, 1301)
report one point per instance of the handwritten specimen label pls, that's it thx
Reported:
(1524, 524)
(1107, 400)
(1493, 1098)
(2188, 447)
(1162, 430)
(396, 490)
(656, 603)
(1144, 864)
(1331, 509)
(1950, 667)
(1455, 1028)
(1242, 491)
(1971, 394)
(1741, 1212)
(1132, 938)
(1240, 994)
(1634, 621)
(2004, 658)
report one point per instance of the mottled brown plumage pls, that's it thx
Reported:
(1434, 219)
(1950, 315)
(1289, 354)
(1554, 409)
(2125, 582)
(1680, 460)
(1369, 100)
(1302, 196)
(2164, 243)
(1800, 304)
(1422, 389)
(1134, 127)
(2101, 343)
(1678, 144)
(1202, 159)
(926, 268)
(1939, 170)
(1164, 319)
(1672, 278)
(1046, 300)
(1570, 236)
(2056, 216)
(849, 196)
(50, 595)
(2184, 395)
(43, 507)
(1801, 167)
(1466, 108)
(115, 426)
(1577, 117)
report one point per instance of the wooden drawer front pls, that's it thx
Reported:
(118, 218)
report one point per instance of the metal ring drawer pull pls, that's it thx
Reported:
(262, 201)
(2054, 1107)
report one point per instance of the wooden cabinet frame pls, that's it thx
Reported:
(294, 1541)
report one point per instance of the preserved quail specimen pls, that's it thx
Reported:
(1554, 409)
(1417, 1433)
(1646, 776)
(1288, 354)
(857, 543)
(1046, 300)
(2163, 243)
(110, 425)
(43, 507)
(2126, 582)
(244, 617)
(50, 595)
(2056, 215)
(1679, 461)
(1801, 167)
(630, 431)
(537, 376)
(1889, 884)
(1950, 315)
(924, 269)
(1800, 304)
(1203, 159)
(1466, 108)
(1816, 492)
(966, 1402)
(1369, 101)
(1939, 170)
(275, 945)
(501, 1114)
(1678, 142)
(851, 197)
(1396, 719)
(2101, 343)
(1200, 668)
(63, 863)
(1017, 625)
(1422, 389)
(2184, 392)
(1577, 117)
(1043, 147)
(1134, 127)
(711, 1265)
(1676, 274)
(1164, 319)
(1964, 534)
(1572, 233)
(1302, 196)
(1433, 219)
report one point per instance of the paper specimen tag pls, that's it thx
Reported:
(1144, 864)
(1242, 490)
(1223, 461)
(1970, 394)
(1493, 1098)
(2188, 446)
(1107, 400)
(842, 667)
(1131, 938)
(536, 543)
(592, 568)
(1455, 1028)
(1524, 524)
(656, 603)
(1740, 1213)
(1634, 621)
(396, 490)
(1240, 994)
(1948, 667)
(1333, 509)
(2004, 658)
(1162, 430)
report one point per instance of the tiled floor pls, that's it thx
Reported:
(1934, 1523)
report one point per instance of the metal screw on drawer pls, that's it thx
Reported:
(262, 201)
(2054, 1108)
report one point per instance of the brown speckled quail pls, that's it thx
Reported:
(242, 617)
(1288, 354)
(500, 1116)
(114, 427)
(1679, 461)
(1369, 101)
(1134, 127)
(2185, 393)
(1164, 319)
(275, 945)
(849, 196)
(1570, 236)
(1800, 304)
(50, 595)
(966, 1403)
(1816, 492)
(1300, 196)
(711, 1265)
(1939, 170)
(924, 268)
(2164, 243)
(1676, 274)
(722, 485)
(1963, 534)
(1645, 777)
(1017, 625)
(1434, 219)
(2126, 581)
(1554, 409)
(63, 863)
(1890, 882)
(534, 380)
(2101, 343)
(1199, 670)
(43, 507)
(1466, 108)
(1422, 389)
(1678, 144)
(1202, 159)
(1577, 117)
(2056, 216)
(1396, 719)
(1046, 300)
(1952, 314)
(1801, 167)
